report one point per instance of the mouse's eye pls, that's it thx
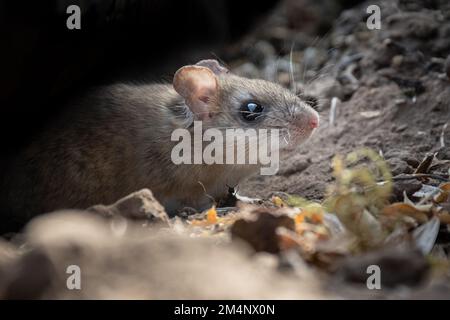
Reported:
(251, 110)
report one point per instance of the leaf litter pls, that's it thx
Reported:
(356, 219)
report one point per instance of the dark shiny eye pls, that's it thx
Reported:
(251, 110)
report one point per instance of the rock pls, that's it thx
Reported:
(385, 52)
(392, 264)
(412, 5)
(259, 228)
(408, 186)
(413, 162)
(141, 265)
(297, 167)
(28, 277)
(412, 25)
(140, 205)
(397, 61)
(399, 166)
(261, 52)
(248, 70)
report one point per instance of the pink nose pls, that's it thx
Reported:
(314, 122)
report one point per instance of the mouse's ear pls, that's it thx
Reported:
(198, 86)
(213, 65)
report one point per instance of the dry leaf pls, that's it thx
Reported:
(211, 215)
(400, 208)
(278, 201)
(444, 217)
(444, 194)
(425, 235)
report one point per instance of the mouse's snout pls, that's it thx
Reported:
(305, 121)
(314, 121)
(307, 118)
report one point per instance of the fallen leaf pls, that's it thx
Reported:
(425, 164)
(278, 201)
(444, 218)
(425, 235)
(444, 194)
(425, 191)
(400, 208)
(211, 215)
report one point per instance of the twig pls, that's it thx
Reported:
(206, 193)
(441, 177)
(334, 102)
(291, 70)
(425, 164)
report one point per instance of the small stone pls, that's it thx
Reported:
(399, 166)
(413, 162)
(296, 168)
(261, 52)
(397, 61)
(140, 205)
(260, 230)
(284, 79)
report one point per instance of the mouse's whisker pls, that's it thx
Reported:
(269, 115)
(321, 73)
(274, 118)
(225, 128)
(315, 43)
(291, 110)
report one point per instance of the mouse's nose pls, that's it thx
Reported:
(314, 121)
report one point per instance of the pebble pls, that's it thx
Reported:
(397, 61)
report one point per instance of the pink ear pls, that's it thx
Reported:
(198, 86)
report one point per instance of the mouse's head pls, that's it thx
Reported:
(221, 99)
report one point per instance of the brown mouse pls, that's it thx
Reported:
(117, 140)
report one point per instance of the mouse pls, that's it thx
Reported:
(117, 139)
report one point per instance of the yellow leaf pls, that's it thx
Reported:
(211, 215)
(277, 201)
(317, 218)
(299, 218)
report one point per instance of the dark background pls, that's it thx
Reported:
(42, 63)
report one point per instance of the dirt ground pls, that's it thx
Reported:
(396, 99)
(391, 92)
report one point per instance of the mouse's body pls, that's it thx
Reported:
(117, 140)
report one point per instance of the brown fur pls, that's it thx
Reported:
(116, 140)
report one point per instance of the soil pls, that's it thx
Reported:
(397, 104)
